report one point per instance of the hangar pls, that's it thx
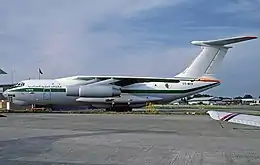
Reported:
(204, 100)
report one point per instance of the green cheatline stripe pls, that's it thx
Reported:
(123, 91)
(39, 90)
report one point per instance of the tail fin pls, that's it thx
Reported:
(211, 56)
(2, 72)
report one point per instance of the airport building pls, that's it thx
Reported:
(250, 101)
(223, 101)
(205, 101)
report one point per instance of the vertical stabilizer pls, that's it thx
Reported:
(2, 72)
(211, 56)
(216, 62)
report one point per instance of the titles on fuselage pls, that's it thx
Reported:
(44, 86)
(184, 83)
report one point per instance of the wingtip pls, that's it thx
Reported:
(213, 114)
(251, 37)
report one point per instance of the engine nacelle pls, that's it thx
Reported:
(98, 91)
(72, 90)
(93, 91)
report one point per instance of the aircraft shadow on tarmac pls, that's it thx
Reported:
(255, 129)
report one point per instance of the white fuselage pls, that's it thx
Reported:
(53, 92)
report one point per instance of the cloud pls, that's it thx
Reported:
(235, 6)
(239, 70)
(60, 34)
(141, 37)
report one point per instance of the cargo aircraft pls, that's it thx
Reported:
(122, 93)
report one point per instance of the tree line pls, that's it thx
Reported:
(246, 96)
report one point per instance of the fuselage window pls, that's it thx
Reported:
(167, 85)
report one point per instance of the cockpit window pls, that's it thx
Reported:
(20, 84)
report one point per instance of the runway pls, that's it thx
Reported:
(97, 139)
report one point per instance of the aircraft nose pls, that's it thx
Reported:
(5, 93)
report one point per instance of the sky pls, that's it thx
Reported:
(127, 37)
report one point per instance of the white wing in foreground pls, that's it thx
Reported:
(235, 118)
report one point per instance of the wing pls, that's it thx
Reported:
(126, 80)
(235, 118)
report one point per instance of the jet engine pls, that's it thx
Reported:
(93, 91)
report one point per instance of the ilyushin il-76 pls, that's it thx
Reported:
(123, 93)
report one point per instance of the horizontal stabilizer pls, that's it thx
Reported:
(222, 42)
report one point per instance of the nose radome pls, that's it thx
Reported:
(5, 93)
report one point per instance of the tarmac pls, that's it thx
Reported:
(113, 139)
